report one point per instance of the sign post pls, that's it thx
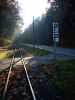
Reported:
(55, 38)
(33, 35)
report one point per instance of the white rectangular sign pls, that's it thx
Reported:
(55, 32)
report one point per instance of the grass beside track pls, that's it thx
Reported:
(67, 66)
(36, 51)
(61, 78)
(66, 78)
(5, 54)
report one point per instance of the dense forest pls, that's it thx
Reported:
(40, 31)
(9, 19)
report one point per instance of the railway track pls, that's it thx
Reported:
(24, 92)
(19, 82)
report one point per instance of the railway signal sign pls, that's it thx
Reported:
(55, 32)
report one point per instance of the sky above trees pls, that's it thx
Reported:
(30, 8)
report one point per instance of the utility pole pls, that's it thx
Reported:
(33, 36)
(37, 39)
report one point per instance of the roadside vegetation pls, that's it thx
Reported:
(61, 77)
(5, 53)
(66, 78)
(68, 65)
(36, 51)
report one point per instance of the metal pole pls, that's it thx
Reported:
(37, 39)
(33, 35)
(55, 46)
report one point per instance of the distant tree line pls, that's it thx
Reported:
(64, 15)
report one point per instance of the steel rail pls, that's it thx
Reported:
(7, 81)
(32, 91)
(8, 77)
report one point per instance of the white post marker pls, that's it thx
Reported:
(55, 38)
